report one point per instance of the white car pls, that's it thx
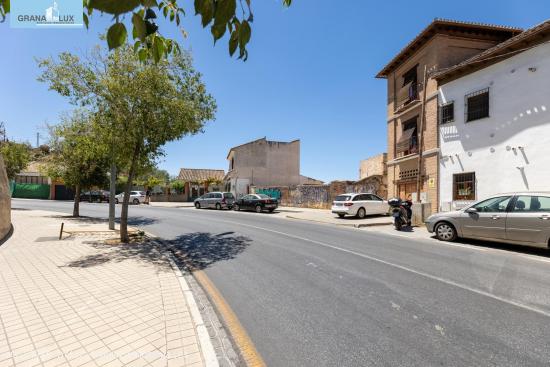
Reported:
(136, 197)
(359, 205)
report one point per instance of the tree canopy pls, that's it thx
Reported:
(220, 16)
(76, 155)
(16, 157)
(140, 105)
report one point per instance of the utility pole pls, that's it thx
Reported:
(3, 137)
(37, 139)
(421, 135)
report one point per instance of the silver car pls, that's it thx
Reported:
(519, 218)
(217, 200)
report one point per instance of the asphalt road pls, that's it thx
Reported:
(317, 295)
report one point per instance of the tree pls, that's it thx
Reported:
(178, 185)
(220, 16)
(146, 104)
(76, 156)
(16, 157)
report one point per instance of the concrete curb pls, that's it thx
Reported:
(207, 348)
(361, 225)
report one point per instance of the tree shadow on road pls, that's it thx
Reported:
(200, 250)
(195, 251)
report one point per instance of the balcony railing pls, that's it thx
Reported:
(406, 95)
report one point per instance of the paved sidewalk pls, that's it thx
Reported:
(83, 302)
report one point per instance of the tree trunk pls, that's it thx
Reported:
(76, 207)
(124, 211)
(112, 188)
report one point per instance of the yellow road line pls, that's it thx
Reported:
(239, 334)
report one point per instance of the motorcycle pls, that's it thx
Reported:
(401, 212)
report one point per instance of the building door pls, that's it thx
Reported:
(405, 189)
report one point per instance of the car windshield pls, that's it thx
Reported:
(263, 196)
(342, 198)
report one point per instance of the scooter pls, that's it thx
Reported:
(400, 213)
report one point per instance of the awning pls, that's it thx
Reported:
(404, 143)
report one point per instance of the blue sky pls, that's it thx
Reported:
(310, 76)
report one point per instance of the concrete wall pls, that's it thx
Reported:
(266, 163)
(509, 150)
(319, 196)
(373, 166)
(5, 202)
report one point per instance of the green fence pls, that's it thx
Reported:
(30, 191)
(12, 187)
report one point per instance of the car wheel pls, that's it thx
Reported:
(361, 213)
(341, 215)
(218, 206)
(445, 232)
(236, 207)
(197, 205)
(258, 208)
(116, 201)
(135, 201)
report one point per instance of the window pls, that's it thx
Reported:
(493, 205)
(408, 143)
(532, 204)
(447, 113)
(342, 198)
(464, 185)
(410, 76)
(477, 105)
(374, 197)
(360, 198)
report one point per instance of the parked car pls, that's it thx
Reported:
(136, 197)
(217, 200)
(519, 218)
(359, 205)
(256, 202)
(95, 196)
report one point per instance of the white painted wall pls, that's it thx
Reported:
(519, 102)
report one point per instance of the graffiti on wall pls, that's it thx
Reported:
(271, 192)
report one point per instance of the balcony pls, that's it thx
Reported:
(407, 144)
(408, 94)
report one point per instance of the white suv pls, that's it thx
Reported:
(136, 197)
(359, 205)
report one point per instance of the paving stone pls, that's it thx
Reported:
(78, 302)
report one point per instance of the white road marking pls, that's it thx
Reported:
(405, 268)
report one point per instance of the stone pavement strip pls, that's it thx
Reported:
(82, 302)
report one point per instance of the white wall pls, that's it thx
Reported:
(519, 102)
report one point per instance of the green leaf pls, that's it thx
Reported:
(225, 10)
(140, 29)
(207, 12)
(142, 54)
(137, 45)
(85, 19)
(116, 35)
(7, 6)
(158, 49)
(114, 6)
(172, 16)
(245, 33)
(165, 11)
(218, 30)
(149, 3)
(198, 6)
(233, 42)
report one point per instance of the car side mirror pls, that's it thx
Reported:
(471, 210)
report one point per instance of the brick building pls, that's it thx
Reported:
(443, 44)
